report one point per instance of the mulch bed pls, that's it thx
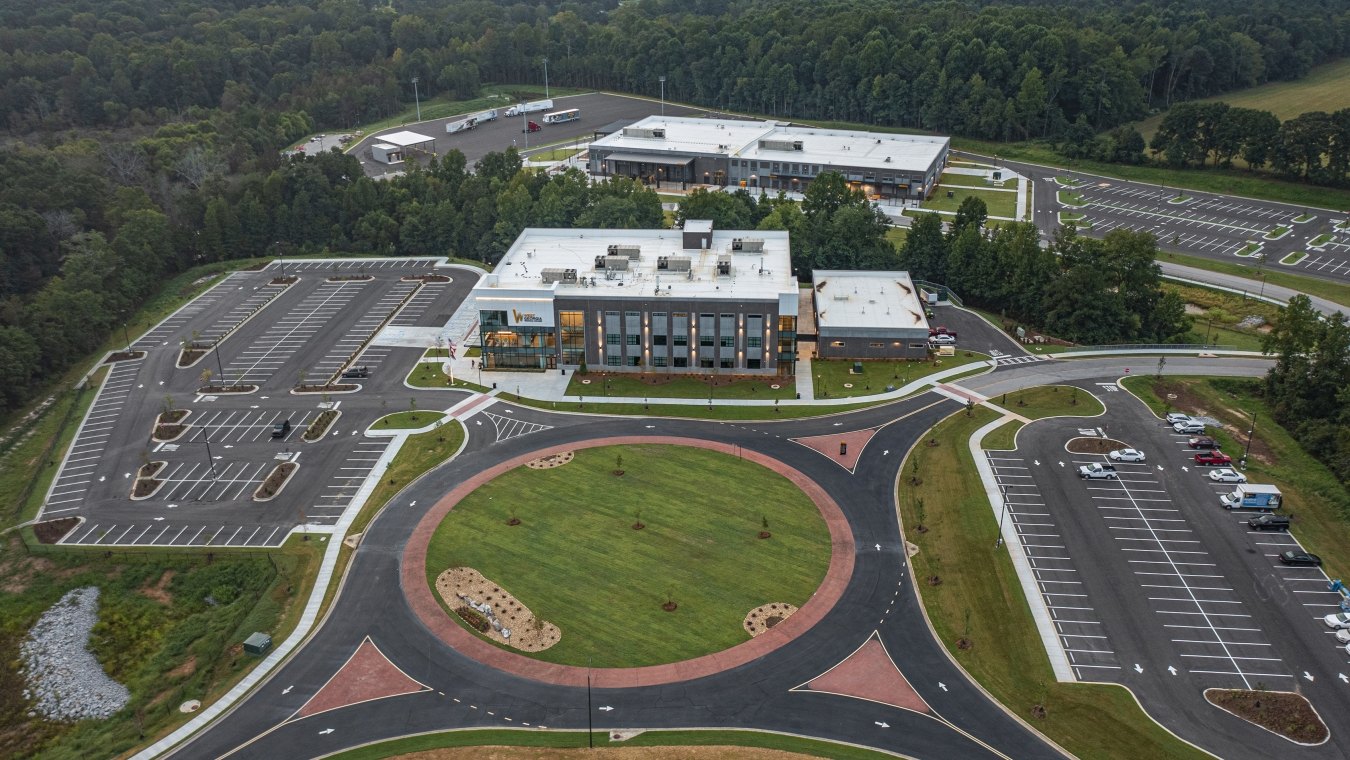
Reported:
(51, 531)
(217, 389)
(325, 388)
(287, 280)
(189, 355)
(122, 356)
(1094, 445)
(168, 432)
(426, 278)
(145, 487)
(172, 416)
(351, 278)
(151, 469)
(766, 616)
(1285, 713)
(275, 480)
(320, 425)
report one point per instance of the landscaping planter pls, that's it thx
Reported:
(332, 388)
(124, 356)
(217, 390)
(275, 482)
(169, 425)
(191, 354)
(321, 425)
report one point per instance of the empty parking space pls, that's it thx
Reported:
(238, 313)
(81, 468)
(265, 355)
(166, 532)
(365, 326)
(339, 490)
(349, 265)
(1077, 623)
(226, 427)
(176, 325)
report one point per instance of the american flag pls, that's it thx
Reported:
(450, 346)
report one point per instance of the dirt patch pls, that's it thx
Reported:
(275, 481)
(766, 616)
(123, 356)
(51, 531)
(1281, 712)
(1186, 401)
(613, 753)
(160, 591)
(1094, 445)
(188, 667)
(551, 461)
(464, 587)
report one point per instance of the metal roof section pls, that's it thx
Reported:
(848, 300)
(405, 138)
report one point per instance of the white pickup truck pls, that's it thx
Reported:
(1097, 471)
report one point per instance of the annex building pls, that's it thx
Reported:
(868, 315)
(696, 300)
(769, 154)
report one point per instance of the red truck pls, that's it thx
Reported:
(531, 127)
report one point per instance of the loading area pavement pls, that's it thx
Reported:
(1150, 583)
(269, 334)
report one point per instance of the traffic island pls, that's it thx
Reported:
(321, 424)
(350, 278)
(146, 484)
(219, 390)
(169, 425)
(52, 531)
(1282, 713)
(191, 353)
(124, 356)
(275, 481)
(1094, 445)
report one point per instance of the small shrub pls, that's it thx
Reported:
(473, 618)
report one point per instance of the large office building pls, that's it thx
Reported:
(769, 154)
(696, 300)
(868, 315)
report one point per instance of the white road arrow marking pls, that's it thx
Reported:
(1171, 670)
(142, 385)
(837, 424)
(1342, 677)
(287, 690)
(161, 382)
(883, 725)
(264, 398)
(229, 445)
(1037, 462)
(1160, 467)
(1061, 464)
(255, 406)
(887, 452)
(942, 686)
(878, 547)
(326, 731)
(1138, 668)
(1307, 675)
(412, 503)
(606, 708)
(171, 506)
(1184, 468)
(650, 427)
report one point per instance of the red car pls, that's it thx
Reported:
(1202, 442)
(1213, 459)
(934, 331)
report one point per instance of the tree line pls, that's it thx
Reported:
(1083, 290)
(1308, 389)
(1010, 70)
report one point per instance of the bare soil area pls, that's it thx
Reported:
(551, 461)
(1285, 713)
(51, 531)
(1094, 445)
(766, 616)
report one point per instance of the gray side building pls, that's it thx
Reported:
(868, 315)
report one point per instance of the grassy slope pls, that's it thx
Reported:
(980, 598)
(693, 411)
(576, 561)
(1332, 291)
(677, 386)
(831, 374)
(998, 202)
(1320, 504)
(1051, 401)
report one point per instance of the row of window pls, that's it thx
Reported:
(726, 341)
(895, 344)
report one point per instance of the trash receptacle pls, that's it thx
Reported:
(951, 194)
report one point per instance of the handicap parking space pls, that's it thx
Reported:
(1077, 624)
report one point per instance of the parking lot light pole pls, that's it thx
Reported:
(417, 97)
(210, 461)
(1002, 514)
(1251, 430)
(546, 76)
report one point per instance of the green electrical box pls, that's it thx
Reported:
(258, 643)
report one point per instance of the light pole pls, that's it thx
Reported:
(417, 97)
(1251, 430)
(210, 460)
(545, 76)
(662, 79)
(1002, 513)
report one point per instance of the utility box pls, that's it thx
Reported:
(258, 643)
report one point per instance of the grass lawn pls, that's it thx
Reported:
(409, 420)
(980, 598)
(576, 561)
(1327, 289)
(1070, 199)
(897, 235)
(577, 740)
(1278, 233)
(1050, 401)
(1223, 311)
(557, 154)
(629, 385)
(1249, 249)
(1290, 259)
(1004, 437)
(1318, 501)
(693, 411)
(34, 450)
(156, 634)
(1320, 240)
(998, 202)
(832, 374)
(429, 375)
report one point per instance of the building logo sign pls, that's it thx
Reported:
(525, 318)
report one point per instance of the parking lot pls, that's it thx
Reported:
(1170, 592)
(270, 335)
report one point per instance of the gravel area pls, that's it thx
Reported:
(65, 681)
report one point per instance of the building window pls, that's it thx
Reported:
(632, 314)
(632, 340)
(754, 341)
(705, 339)
(658, 340)
(658, 316)
(752, 363)
(918, 345)
(728, 341)
(612, 361)
(728, 364)
(633, 361)
(611, 313)
(876, 345)
(836, 344)
(658, 361)
(611, 339)
(680, 340)
(705, 363)
(681, 361)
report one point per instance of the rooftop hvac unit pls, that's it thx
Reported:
(724, 265)
(616, 263)
(559, 275)
(780, 145)
(655, 133)
(749, 245)
(629, 251)
(673, 263)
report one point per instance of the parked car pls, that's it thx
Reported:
(940, 331)
(1097, 471)
(1202, 442)
(1302, 559)
(1339, 620)
(1127, 455)
(1189, 427)
(280, 429)
(1269, 522)
(1227, 475)
(943, 340)
(1175, 417)
(1343, 636)
(355, 373)
(1214, 458)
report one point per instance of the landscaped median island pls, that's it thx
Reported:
(430, 373)
(834, 378)
(412, 420)
(1281, 712)
(974, 600)
(633, 561)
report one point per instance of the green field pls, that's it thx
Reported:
(428, 374)
(557, 154)
(410, 420)
(980, 599)
(576, 561)
(830, 375)
(998, 202)
(1003, 437)
(598, 386)
(1050, 401)
(1323, 89)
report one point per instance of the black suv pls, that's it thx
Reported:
(1269, 522)
(356, 373)
(280, 429)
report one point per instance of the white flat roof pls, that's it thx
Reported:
(855, 299)
(735, 138)
(405, 138)
(761, 275)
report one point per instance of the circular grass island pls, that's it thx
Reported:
(638, 555)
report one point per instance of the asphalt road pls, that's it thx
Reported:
(212, 470)
(1196, 223)
(1153, 585)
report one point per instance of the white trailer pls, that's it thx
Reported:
(531, 107)
(485, 116)
(463, 125)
